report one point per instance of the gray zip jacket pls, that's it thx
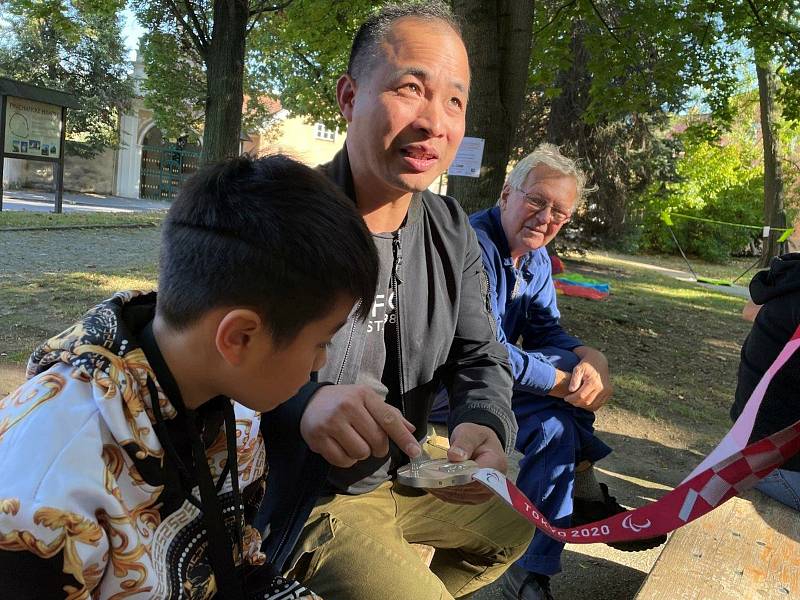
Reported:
(446, 337)
(446, 331)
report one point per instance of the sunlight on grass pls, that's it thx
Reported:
(730, 270)
(33, 310)
(691, 299)
(109, 284)
(15, 219)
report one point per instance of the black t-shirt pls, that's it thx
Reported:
(379, 370)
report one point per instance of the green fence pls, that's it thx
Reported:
(164, 169)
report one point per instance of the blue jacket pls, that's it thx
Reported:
(524, 304)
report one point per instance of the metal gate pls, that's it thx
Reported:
(164, 169)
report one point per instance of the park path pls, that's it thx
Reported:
(43, 201)
(66, 250)
(740, 291)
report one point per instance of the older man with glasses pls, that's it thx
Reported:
(559, 382)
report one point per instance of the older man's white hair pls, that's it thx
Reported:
(550, 156)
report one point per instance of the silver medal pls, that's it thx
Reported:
(437, 473)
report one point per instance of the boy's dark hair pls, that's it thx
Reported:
(268, 233)
(374, 29)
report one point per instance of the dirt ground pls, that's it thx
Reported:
(673, 352)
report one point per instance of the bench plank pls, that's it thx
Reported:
(747, 548)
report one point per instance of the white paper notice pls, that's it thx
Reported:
(765, 231)
(468, 158)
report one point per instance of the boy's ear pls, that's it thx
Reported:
(345, 96)
(238, 331)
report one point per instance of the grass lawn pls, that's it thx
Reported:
(31, 311)
(22, 219)
(673, 345)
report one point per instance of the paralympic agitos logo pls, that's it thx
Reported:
(627, 523)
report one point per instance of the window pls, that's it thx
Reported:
(323, 133)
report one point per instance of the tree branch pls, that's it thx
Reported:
(265, 7)
(555, 16)
(790, 33)
(756, 13)
(201, 31)
(605, 24)
(307, 61)
(705, 34)
(200, 43)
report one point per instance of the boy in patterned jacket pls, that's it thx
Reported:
(127, 468)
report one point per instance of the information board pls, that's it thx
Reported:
(32, 128)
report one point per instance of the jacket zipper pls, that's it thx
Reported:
(398, 260)
(347, 348)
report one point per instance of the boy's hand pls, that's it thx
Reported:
(481, 444)
(349, 423)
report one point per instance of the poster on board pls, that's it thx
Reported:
(32, 128)
(468, 158)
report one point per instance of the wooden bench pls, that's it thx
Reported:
(747, 548)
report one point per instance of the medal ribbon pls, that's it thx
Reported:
(730, 469)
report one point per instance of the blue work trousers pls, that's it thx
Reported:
(554, 437)
(784, 486)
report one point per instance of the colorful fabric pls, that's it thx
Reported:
(557, 266)
(574, 284)
(87, 505)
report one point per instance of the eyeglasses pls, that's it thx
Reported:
(538, 204)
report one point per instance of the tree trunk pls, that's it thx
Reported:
(567, 128)
(774, 215)
(497, 34)
(225, 80)
(565, 123)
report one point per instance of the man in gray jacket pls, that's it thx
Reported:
(404, 98)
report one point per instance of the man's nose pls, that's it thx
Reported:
(545, 215)
(431, 118)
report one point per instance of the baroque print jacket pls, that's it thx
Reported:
(88, 507)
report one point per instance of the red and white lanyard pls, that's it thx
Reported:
(730, 469)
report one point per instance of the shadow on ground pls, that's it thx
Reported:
(617, 581)
(639, 471)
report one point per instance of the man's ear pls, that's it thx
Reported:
(238, 332)
(504, 193)
(345, 95)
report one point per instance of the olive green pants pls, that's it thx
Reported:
(358, 547)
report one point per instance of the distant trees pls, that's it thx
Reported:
(608, 77)
(602, 79)
(205, 42)
(76, 48)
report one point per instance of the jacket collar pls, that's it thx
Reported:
(339, 171)
(499, 235)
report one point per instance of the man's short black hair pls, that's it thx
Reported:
(372, 32)
(268, 233)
